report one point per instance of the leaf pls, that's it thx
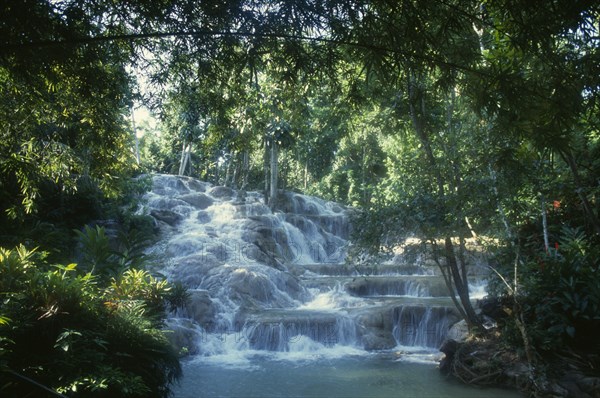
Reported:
(71, 267)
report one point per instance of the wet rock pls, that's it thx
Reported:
(249, 284)
(195, 271)
(449, 347)
(221, 192)
(376, 329)
(166, 203)
(378, 340)
(198, 186)
(374, 286)
(166, 216)
(337, 208)
(168, 185)
(183, 335)
(200, 308)
(203, 217)
(198, 200)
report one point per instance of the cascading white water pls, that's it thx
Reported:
(264, 280)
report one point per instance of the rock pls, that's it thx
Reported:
(183, 335)
(449, 348)
(166, 216)
(198, 200)
(373, 341)
(168, 185)
(579, 385)
(203, 217)
(221, 192)
(375, 328)
(200, 308)
(492, 307)
(198, 186)
(590, 385)
(458, 332)
(252, 285)
(193, 270)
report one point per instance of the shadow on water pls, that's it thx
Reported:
(355, 376)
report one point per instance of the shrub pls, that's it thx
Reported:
(62, 329)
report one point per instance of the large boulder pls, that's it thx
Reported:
(168, 185)
(198, 186)
(198, 200)
(375, 329)
(200, 308)
(221, 192)
(183, 335)
(459, 332)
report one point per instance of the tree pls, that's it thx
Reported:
(63, 109)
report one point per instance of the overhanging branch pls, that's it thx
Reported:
(12, 47)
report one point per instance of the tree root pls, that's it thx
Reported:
(484, 364)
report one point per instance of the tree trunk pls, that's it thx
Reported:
(228, 171)
(501, 211)
(185, 157)
(274, 173)
(135, 138)
(545, 223)
(417, 113)
(245, 169)
(305, 175)
(266, 170)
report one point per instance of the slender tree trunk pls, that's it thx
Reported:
(460, 282)
(305, 175)
(274, 173)
(501, 211)
(236, 170)
(245, 169)
(135, 138)
(448, 281)
(185, 157)
(266, 170)
(228, 170)
(544, 223)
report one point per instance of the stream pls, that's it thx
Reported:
(274, 310)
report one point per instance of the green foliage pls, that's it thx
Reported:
(138, 286)
(109, 257)
(177, 296)
(562, 293)
(65, 330)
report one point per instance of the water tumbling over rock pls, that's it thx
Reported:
(276, 280)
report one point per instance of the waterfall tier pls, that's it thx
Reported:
(274, 280)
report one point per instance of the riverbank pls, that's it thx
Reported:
(489, 362)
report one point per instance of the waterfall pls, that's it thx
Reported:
(275, 280)
(422, 326)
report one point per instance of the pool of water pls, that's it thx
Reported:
(348, 376)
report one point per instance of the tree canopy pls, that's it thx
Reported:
(443, 119)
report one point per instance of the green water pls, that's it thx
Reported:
(346, 377)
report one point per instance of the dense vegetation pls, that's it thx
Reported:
(445, 120)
